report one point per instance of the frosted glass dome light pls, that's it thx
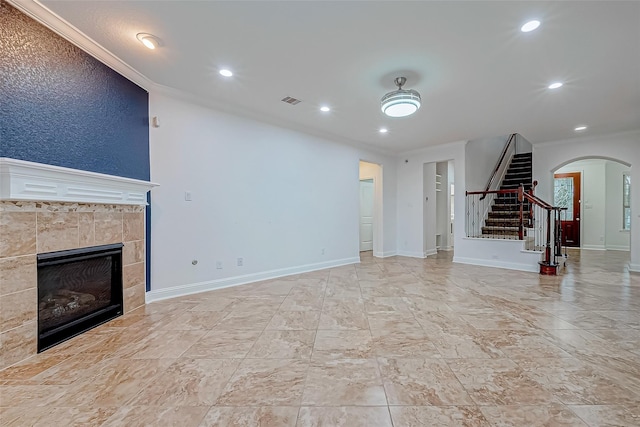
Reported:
(400, 102)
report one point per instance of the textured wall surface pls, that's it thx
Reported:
(61, 106)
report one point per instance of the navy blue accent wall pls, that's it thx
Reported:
(60, 106)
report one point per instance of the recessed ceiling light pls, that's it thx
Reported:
(226, 73)
(555, 85)
(530, 26)
(384, 130)
(149, 40)
(325, 109)
(580, 128)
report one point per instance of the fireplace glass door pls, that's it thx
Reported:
(78, 289)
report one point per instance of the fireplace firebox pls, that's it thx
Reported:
(78, 289)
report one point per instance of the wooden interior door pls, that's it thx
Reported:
(566, 194)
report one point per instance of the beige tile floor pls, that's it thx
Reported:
(388, 342)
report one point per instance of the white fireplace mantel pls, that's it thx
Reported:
(29, 181)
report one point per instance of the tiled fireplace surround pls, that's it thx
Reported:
(28, 228)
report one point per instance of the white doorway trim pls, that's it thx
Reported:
(366, 215)
(370, 170)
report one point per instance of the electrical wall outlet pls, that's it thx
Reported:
(240, 262)
(219, 265)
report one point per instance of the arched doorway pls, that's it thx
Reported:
(596, 192)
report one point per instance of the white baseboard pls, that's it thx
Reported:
(384, 254)
(618, 248)
(497, 264)
(411, 254)
(634, 268)
(210, 285)
(593, 247)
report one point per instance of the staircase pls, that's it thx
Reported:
(504, 217)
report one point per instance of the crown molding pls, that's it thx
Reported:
(55, 23)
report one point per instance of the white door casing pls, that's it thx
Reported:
(366, 214)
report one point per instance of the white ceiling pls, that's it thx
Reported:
(479, 76)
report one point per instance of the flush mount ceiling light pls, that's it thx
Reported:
(226, 73)
(530, 26)
(555, 85)
(149, 40)
(383, 130)
(401, 102)
(325, 109)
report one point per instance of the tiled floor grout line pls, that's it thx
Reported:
(375, 357)
(315, 337)
(223, 388)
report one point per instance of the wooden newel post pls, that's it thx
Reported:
(547, 252)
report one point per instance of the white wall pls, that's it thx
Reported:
(274, 197)
(429, 208)
(485, 153)
(411, 193)
(615, 237)
(621, 147)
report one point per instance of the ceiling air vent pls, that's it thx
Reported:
(290, 100)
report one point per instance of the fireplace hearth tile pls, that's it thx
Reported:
(18, 274)
(133, 275)
(36, 227)
(133, 297)
(133, 252)
(57, 231)
(83, 343)
(18, 343)
(133, 226)
(73, 368)
(31, 367)
(124, 321)
(18, 308)
(87, 229)
(21, 227)
(108, 227)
